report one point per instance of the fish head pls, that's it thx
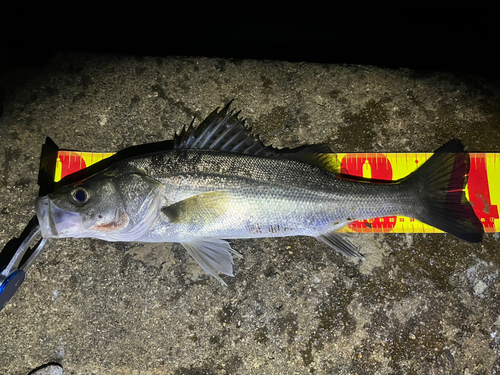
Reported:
(110, 206)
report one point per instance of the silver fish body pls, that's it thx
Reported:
(244, 196)
(218, 183)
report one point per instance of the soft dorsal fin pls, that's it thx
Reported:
(318, 155)
(224, 131)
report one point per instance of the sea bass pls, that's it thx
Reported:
(217, 183)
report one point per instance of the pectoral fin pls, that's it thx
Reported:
(213, 255)
(200, 209)
(340, 244)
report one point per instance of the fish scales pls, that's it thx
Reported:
(280, 197)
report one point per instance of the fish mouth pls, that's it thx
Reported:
(56, 222)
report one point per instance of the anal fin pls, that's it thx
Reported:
(213, 255)
(340, 244)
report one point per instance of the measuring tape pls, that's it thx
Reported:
(482, 190)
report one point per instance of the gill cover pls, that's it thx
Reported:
(111, 205)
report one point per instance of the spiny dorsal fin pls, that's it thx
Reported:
(224, 131)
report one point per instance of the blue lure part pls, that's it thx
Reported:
(13, 275)
(10, 286)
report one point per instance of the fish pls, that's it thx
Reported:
(218, 182)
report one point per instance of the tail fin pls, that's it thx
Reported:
(441, 182)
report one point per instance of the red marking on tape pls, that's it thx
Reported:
(479, 193)
(71, 162)
(381, 169)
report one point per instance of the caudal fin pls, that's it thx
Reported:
(441, 182)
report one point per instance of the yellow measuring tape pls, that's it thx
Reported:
(483, 188)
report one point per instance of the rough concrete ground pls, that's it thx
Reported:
(418, 304)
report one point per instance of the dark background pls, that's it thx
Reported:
(439, 38)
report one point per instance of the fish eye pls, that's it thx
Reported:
(80, 194)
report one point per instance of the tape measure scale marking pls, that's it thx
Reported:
(483, 189)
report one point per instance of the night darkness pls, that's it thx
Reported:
(438, 39)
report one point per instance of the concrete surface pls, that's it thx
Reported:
(418, 304)
(49, 369)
